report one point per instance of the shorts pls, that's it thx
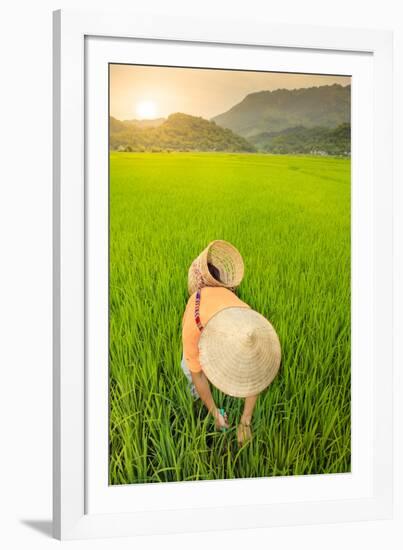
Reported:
(187, 373)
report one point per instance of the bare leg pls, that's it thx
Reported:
(244, 430)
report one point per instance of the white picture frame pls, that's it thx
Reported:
(84, 505)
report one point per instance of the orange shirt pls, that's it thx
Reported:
(213, 299)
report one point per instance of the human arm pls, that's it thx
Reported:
(203, 389)
(190, 340)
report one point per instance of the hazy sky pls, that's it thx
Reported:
(153, 92)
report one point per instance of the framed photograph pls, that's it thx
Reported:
(222, 274)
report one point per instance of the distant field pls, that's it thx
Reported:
(289, 216)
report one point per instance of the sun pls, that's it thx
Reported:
(146, 109)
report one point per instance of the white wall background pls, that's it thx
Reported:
(25, 272)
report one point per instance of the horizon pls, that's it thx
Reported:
(183, 113)
(145, 93)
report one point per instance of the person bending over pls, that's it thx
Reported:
(228, 344)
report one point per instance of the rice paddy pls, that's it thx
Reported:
(289, 216)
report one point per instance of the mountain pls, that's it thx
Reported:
(145, 123)
(331, 141)
(116, 125)
(273, 111)
(179, 132)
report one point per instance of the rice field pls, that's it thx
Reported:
(289, 216)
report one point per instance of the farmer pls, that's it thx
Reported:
(225, 342)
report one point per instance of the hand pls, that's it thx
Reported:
(221, 421)
(244, 433)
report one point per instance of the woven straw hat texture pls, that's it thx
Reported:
(240, 351)
(225, 257)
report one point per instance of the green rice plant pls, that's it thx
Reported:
(289, 216)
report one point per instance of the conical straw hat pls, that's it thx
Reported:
(240, 351)
(225, 257)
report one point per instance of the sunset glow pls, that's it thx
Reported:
(146, 110)
(144, 92)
